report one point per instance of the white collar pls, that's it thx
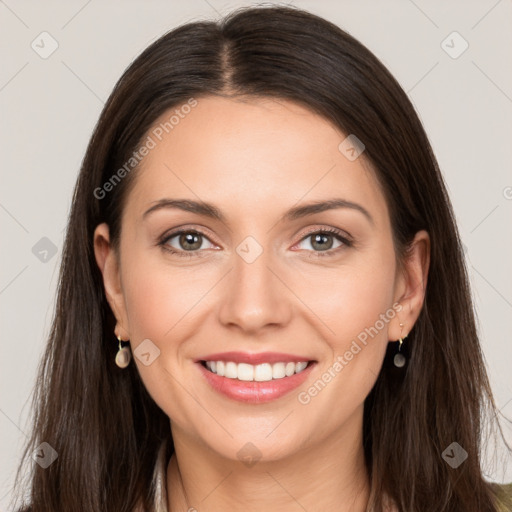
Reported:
(160, 480)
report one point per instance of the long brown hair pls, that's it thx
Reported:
(102, 422)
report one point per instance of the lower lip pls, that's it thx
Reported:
(255, 392)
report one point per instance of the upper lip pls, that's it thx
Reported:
(259, 358)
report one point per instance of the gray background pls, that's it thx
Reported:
(50, 106)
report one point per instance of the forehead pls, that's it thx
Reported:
(256, 155)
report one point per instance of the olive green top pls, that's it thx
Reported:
(505, 494)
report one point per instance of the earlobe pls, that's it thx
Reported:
(107, 261)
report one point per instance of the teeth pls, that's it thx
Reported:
(259, 372)
(290, 369)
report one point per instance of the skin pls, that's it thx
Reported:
(254, 159)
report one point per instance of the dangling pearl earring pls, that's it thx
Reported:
(399, 359)
(123, 356)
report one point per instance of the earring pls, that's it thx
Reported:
(123, 356)
(399, 359)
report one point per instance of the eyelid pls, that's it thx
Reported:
(178, 230)
(327, 229)
(344, 238)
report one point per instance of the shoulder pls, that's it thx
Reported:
(504, 493)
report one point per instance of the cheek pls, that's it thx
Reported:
(349, 299)
(356, 305)
(159, 296)
(161, 304)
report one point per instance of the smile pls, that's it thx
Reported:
(259, 373)
(254, 384)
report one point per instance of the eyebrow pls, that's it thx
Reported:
(209, 210)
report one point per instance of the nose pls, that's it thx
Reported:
(255, 294)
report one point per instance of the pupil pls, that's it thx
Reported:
(190, 239)
(321, 239)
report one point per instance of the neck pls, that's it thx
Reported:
(330, 476)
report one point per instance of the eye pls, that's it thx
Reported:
(323, 241)
(189, 242)
(184, 242)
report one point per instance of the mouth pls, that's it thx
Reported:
(255, 383)
(263, 372)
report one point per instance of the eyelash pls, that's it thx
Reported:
(320, 254)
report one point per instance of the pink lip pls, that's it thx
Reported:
(254, 392)
(262, 357)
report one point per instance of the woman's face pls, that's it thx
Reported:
(264, 276)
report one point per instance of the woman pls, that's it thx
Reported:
(263, 303)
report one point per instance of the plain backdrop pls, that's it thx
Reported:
(49, 105)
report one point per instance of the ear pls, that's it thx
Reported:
(108, 263)
(411, 285)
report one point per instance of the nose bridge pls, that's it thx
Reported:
(254, 296)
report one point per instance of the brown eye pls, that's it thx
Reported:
(185, 241)
(325, 242)
(190, 241)
(321, 241)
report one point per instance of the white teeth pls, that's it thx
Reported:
(230, 371)
(278, 371)
(244, 371)
(262, 372)
(290, 369)
(259, 372)
(300, 366)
